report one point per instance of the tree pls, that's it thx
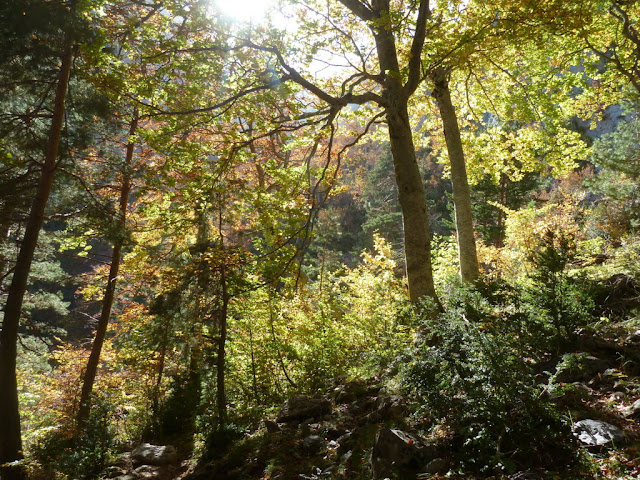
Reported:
(399, 66)
(10, 436)
(109, 291)
(469, 270)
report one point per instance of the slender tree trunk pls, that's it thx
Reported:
(10, 439)
(221, 395)
(5, 235)
(254, 373)
(160, 370)
(503, 201)
(109, 291)
(221, 360)
(461, 193)
(275, 343)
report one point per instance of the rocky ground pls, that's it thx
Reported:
(360, 430)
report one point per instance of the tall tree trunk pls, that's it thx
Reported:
(109, 291)
(417, 237)
(461, 193)
(10, 438)
(411, 195)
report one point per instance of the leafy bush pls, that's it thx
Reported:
(60, 451)
(564, 300)
(477, 380)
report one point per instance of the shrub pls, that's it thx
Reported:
(60, 451)
(562, 299)
(476, 379)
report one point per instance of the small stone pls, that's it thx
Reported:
(632, 411)
(113, 471)
(598, 433)
(437, 465)
(634, 337)
(524, 476)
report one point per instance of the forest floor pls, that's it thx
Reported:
(365, 428)
(351, 439)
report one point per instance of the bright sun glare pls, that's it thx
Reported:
(243, 10)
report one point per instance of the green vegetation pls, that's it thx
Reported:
(422, 217)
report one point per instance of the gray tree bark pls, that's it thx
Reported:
(468, 256)
(411, 193)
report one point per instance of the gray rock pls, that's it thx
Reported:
(388, 407)
(632, 411)
(150, 472)
(397, 454)
(351, 391)
(346, 443)
(437, 465)
(301, 407)
(124, 461)
(113, 471)
(313, 444)
(598, 433)
(147, 454)
(634, 337)
(128, 476)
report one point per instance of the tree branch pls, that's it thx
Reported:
(359, 9)
(416, 48)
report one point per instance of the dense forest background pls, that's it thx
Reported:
(420, 216)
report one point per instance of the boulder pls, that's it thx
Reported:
(313, 444)
(387, 407)
(597, 433)
(301, 407)
(159, 455)
(397, 454)
(351, 391)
